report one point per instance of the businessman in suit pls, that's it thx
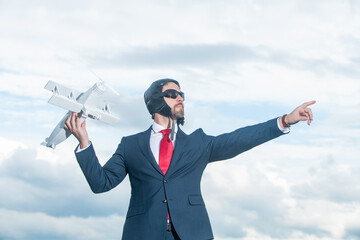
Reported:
(165, 165)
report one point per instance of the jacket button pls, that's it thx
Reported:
(164, 201)
(165, 180)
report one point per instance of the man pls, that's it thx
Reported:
(165, 166)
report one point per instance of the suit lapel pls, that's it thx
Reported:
(144, 144)
(178, 150)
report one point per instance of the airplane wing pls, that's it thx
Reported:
(94, 103)
(99, 103)
(101, 114)
(64, 97)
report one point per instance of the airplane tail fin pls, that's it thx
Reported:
(46, 144)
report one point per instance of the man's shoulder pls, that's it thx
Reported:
(139, 134)
(195, 133)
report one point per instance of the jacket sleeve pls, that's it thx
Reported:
(229, 145)
(102, 179)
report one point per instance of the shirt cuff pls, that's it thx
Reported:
(78, 149)
(284, 130)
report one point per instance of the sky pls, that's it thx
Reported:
(238, 62)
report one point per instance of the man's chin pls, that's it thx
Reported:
(179, 114)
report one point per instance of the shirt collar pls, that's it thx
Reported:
(157, 127)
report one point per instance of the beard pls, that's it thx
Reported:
(178, 112)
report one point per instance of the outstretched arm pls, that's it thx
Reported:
(301, 113)
(229, 145)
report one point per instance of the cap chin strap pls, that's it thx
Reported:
(172, 130)
(172, 127)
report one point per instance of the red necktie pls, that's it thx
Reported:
(166, 150)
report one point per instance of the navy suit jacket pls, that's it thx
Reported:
(153, 194)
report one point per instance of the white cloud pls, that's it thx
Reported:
(276, 190)
(8, 147)
(48, 181)
(37, 225)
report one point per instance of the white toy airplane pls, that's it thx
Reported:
(93, 104)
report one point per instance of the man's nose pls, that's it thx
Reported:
(179, 98)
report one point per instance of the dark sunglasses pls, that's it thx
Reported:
(172, 93)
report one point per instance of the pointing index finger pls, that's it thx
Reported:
(308, 103)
